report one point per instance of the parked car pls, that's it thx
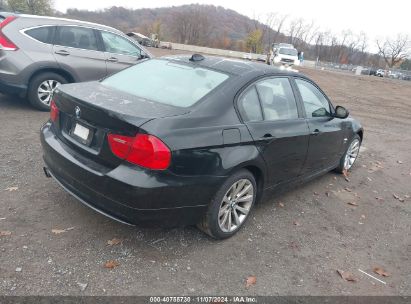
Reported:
(39, 53)
(380, 73)
(185, 140)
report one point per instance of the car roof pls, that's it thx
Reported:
(229, 65)
(57, 19)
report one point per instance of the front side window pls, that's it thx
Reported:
(77, 37)
(43, 34)
(116, 44)
(166, 82)
(315, 103)
(277, 99)
(249, 106)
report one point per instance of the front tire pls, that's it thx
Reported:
(41, 89)
(351, 155)
(231, 206)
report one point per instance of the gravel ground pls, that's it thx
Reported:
(293, 243)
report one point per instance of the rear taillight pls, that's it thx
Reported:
(5, 42)
(54, 111)
(144, 150)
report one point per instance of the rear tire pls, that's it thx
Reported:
(350, 155)
(41, 88)
(230, 207)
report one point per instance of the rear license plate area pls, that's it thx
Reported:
(82, 133)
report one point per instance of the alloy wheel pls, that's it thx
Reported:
(352, 154)
(46, 89)
(236, 205)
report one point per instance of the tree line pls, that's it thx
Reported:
(211, 26)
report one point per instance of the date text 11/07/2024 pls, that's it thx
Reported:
(203, 299)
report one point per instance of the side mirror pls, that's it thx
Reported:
(341, 112)
(143, 55)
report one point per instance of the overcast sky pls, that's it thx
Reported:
(376, 18)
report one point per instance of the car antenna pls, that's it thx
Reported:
(197, 57)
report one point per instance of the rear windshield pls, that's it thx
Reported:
(287, 51)
(166, 82)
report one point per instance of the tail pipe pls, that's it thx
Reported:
(46, 172)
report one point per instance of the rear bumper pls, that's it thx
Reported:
(127, 193)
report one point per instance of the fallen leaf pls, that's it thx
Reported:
(281, 205)
(251, 280)
(347, 189)
(347, 276)
(111, 264)
(11, 189)
(381, 272)
(352, 203)
(5, 233)
(345, 172)
(395, 196)
(114, 242)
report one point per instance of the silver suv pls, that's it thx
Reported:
(39, 53)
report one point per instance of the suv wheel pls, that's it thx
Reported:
(231, 206)
(41, 89)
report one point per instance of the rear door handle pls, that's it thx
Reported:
(268, 136)
(316, 132)
(62, 52)
(112, 59)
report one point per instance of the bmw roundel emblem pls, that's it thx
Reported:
(77, 111)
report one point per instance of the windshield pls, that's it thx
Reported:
(166, 82)
(287, 51)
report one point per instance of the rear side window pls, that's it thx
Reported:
(77, 37)
(277, 99)
(249, 106)
(43, 34)
(166, 82)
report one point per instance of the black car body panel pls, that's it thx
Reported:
(208, 142)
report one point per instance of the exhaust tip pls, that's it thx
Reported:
(46, 172)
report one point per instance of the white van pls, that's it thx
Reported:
(284, 54)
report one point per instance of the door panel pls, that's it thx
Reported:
(326, 132)
(120, 52)
(326, 143)
(270, 112)
(76, 50)
(283, 145)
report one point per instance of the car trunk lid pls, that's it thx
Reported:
(90, 111)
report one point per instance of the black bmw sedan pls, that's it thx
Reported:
(193, 140)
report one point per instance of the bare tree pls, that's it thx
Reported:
(36, 7)
(393, 50)
(192, 26)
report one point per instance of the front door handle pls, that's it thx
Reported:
(62, 52)
(112, 59)
(316, 132)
